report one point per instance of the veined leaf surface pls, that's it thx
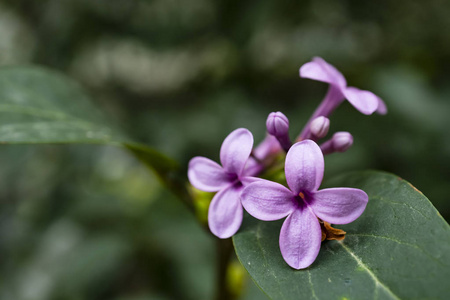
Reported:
(398, 249)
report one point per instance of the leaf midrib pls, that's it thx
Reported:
(53, 115)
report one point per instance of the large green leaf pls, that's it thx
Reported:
(398, 249)
(42, 106)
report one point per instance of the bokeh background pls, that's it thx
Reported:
(89, 222)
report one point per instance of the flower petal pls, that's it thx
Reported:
(304, 167)
(364, 101)
(250, 179)
(252, 167)
(207, 175)
(267, 200)
(300, 238)
(225, 212)
(235, 150)
(382, 108)
(339, 205)
(319, 69)
(268, 146)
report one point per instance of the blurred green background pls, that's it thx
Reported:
(89, 222)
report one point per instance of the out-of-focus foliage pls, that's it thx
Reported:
(88, 222)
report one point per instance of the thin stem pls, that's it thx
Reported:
(327, 147)
(224, 254)
(285, 142)
(167, 171)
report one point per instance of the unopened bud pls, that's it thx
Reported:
(319, 127)
(342, 141)
(277, 124)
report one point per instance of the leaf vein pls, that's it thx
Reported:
(258, 238)
(312, 286)
(371, 274)
(400, 243)
(400, 203)
(48, 114)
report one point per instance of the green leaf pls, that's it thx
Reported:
(398, 249)
(41, 106)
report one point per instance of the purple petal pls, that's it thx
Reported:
(207, 175)
(339, 205)
(235, 150)
(267, 200)
(382, 108)
(252, 167)
(304, 167)
(277, 124)
(342, 141)
(300, 238)
(250, 179)
(319, 69)
(269, 146)
(225, 212)
(364, 101)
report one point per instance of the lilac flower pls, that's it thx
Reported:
(225, 211)
(303, 204)
(364, 101)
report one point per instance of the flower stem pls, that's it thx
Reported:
(332, 100)
(224, 254)
(285, 142)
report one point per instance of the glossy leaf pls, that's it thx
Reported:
(398, 249)
(41, 106)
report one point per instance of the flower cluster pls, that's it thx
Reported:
(305, 207)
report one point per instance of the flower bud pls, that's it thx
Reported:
(319, 127)
(277, 124)
(342, 141)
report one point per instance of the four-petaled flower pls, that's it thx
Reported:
(364, 101)
(303, 204)
(225, 211)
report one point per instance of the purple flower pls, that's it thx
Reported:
(225, 211)
(364, 101)
(303, 204)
